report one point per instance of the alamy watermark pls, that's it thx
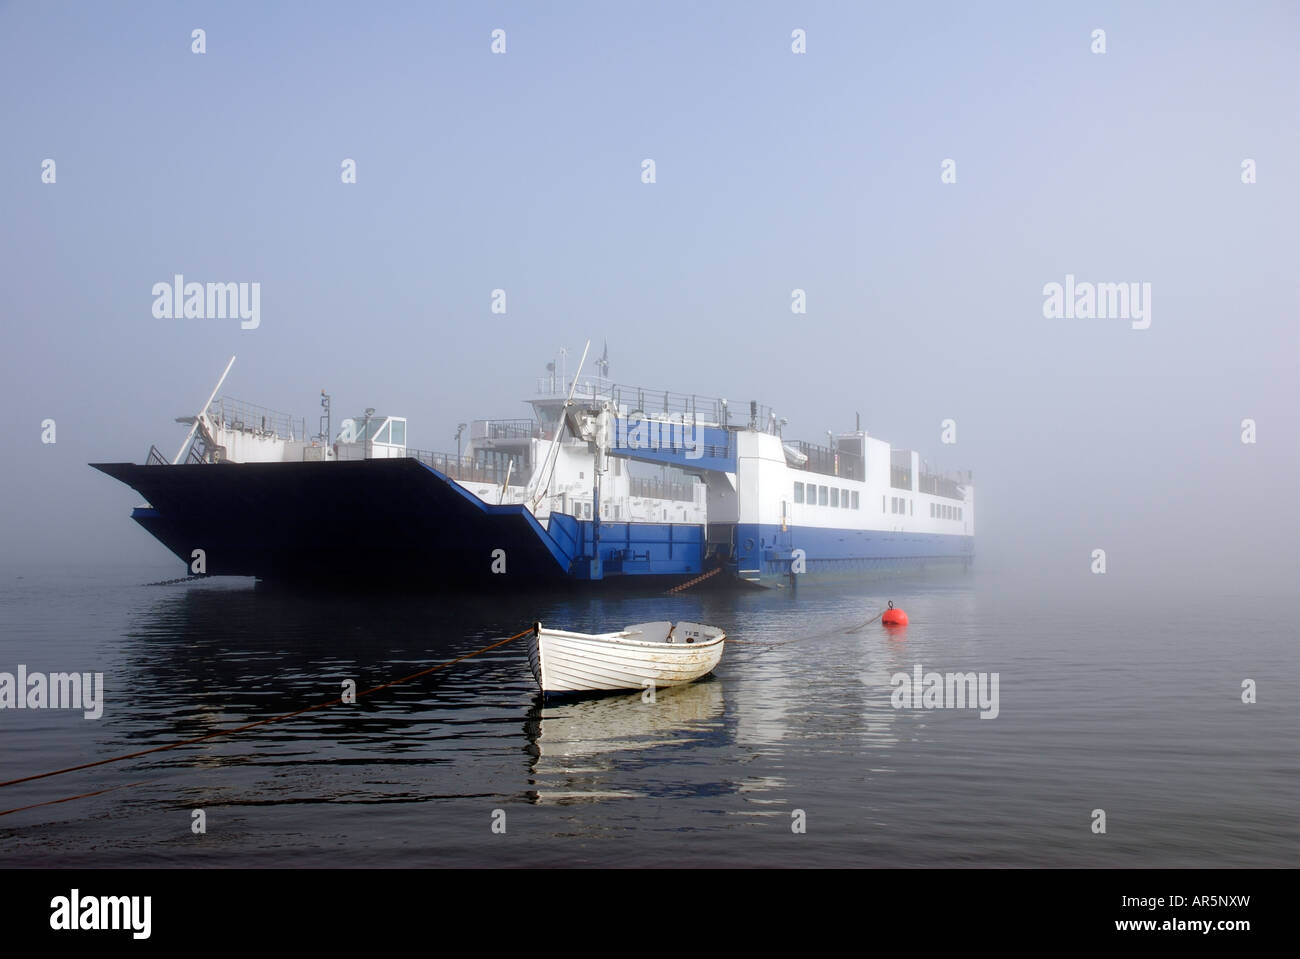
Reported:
(34, 690)
(922, 690)
(208, 301)
(75, 912)
(671, 432)
(1102, 301)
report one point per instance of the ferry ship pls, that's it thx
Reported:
(604, 486)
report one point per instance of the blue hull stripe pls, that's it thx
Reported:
(765, 551)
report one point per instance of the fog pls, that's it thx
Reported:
(775, 171)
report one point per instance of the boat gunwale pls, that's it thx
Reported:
(622, 639)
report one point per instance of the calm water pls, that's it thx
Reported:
(1131, 705)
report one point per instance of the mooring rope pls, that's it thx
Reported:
(55, 802)
(860, 628)
(247, 726)
(769, 644)
(691, 582)
(764, 645)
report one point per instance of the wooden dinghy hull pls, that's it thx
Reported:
(642, 656)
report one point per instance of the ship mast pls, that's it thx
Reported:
(195, 425)
(555, 434)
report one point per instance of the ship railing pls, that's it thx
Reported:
(652, 487)
(155, 458)
(689, 407)
(829, 462)
(463, 469)
(587, 388)
(505, 429)
(712, 450)
(693, 408)
(900, 477)
(939, 485)
(232, 414)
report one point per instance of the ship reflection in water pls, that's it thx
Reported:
(207, 657)
(572, 741)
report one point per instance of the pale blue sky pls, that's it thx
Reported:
(775, 171)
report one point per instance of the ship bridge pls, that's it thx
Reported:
(694, 433)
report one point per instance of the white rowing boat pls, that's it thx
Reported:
(639, 657)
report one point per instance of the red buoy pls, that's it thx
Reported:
(894, 617)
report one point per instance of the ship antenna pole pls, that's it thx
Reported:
(189, 436)
(555, 437)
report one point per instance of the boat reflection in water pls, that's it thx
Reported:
(577, 744)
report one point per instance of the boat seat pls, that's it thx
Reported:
(655, 632)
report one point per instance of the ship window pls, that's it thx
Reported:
(882, 504)
(798, 492)
(835, 497)
(911, 508)
(931, 511)
(399, 432)
(382, 435)
(856, 501)
(844, 499)
(959, 512)
(823, 496)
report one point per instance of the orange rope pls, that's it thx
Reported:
(252, 725)
(55, 802)
(691, 582)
